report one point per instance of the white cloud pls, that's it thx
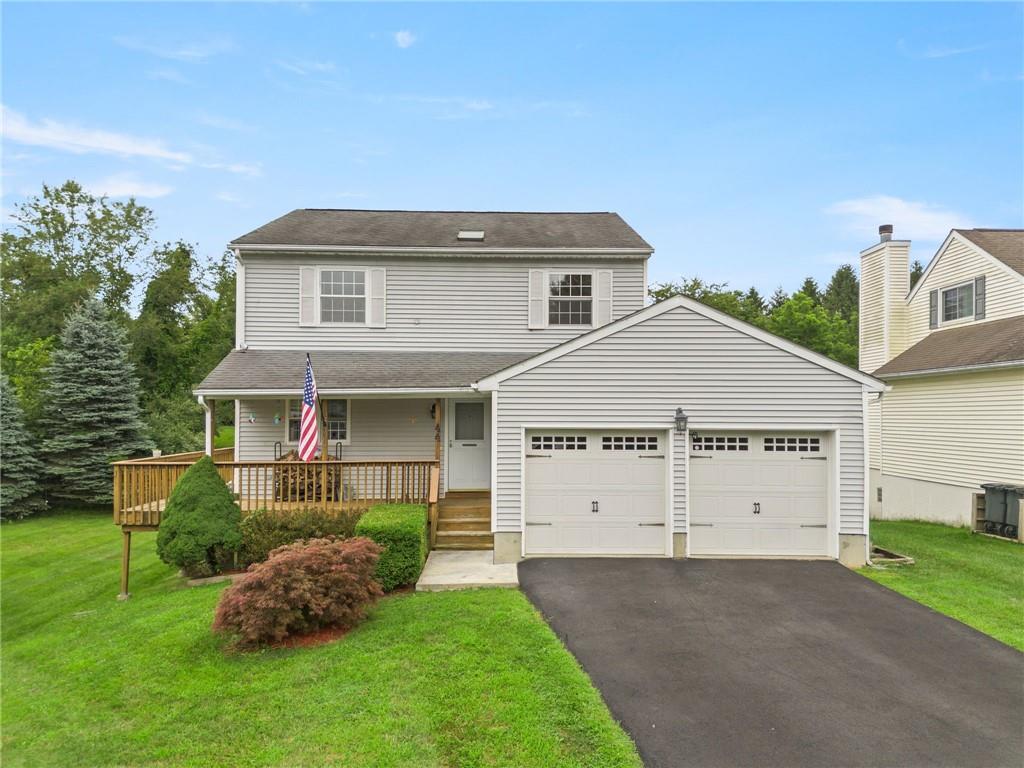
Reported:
(911, 220)
(186, 51)
(228, 197)
(306, 66)
(944, 52)
(128, 185)
(81, 141)
(84, 141)
(404, 38)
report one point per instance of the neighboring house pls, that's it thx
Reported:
(517, 351)
(952, 352)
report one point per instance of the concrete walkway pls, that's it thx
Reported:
(465, 570)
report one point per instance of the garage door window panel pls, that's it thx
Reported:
(558, 442)
(720, 443)
(792, 445)
(629, 443)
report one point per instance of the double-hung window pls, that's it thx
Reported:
(336, 413)
(343, 296)
(570, 298)
(958, 302)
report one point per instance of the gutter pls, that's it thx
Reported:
(235, 393)
(948, 370)
(446, 250)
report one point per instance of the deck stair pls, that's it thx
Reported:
(464, 521)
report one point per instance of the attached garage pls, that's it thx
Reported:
(759, 494)
(596, 492)
(680, 431)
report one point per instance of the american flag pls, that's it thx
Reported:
(309, 436)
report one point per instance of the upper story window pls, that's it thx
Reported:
(958, 302)
(570, 298)
(342, 296)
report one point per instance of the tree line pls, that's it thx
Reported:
(104, 333)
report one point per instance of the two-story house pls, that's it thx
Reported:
(951, 350)
(517, 353)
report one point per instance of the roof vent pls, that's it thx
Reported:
(471, 234)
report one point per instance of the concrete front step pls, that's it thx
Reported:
(464, 524)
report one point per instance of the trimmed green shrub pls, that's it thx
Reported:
(265, 530)
(301, 588)
(199, 531)
(401, 529)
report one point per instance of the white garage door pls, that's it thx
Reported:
(754, 493)
(595, 493)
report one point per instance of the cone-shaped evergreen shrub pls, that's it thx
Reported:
(200, 528)
(20, 470)
(91, 409)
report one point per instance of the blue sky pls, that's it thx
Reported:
(754, 144)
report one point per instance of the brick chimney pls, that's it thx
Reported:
(884, 285)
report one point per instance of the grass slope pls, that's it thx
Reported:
(974, 579)
(453, 679)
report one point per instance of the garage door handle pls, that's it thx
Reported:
(651, 525)
(814, 458)
(659, 456)
(701, 456)
(540, 523)
(538, 455)
(702, 525)
(814, 526)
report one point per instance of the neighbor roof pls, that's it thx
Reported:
(282, 371)
(977, 344)
(320, 227)
(1007, 245)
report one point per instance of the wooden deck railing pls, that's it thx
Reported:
(142, 486)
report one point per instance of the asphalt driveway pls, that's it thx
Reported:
(772, 663)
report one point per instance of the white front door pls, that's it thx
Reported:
(759, 494)
(595, 492)
(469, 445)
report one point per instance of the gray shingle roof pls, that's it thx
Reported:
(1007, 245)
(983, 343)
(440, 229)
(283, 370)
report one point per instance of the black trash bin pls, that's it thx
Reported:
(1002, 508)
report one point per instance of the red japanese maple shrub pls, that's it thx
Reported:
(300, 588)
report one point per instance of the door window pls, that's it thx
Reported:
(469, 421)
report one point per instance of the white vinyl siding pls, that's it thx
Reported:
(718, 375)
(395, 428)
(960, 264)
(472, 304)
(960, 429)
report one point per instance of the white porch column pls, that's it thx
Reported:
(210, 408)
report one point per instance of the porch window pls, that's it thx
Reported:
(343, 296)
(337, 413)
(570, 298)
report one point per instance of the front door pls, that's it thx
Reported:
(469, 445)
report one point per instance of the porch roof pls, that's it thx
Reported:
(273, 371)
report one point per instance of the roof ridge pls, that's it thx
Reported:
(420, 210)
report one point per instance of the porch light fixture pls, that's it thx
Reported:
(681, 419)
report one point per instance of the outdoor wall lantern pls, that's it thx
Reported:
(252, 417)
(681, 419)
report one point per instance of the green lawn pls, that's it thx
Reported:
(445, 679)
(974, 579)
(225, 437)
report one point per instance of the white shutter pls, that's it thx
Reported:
(603, 315)
(538, 299)
(307, 296)
(376, 315)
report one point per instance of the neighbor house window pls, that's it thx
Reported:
(958, 302)
(342, 296)
(336, 415)
(570, 298)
